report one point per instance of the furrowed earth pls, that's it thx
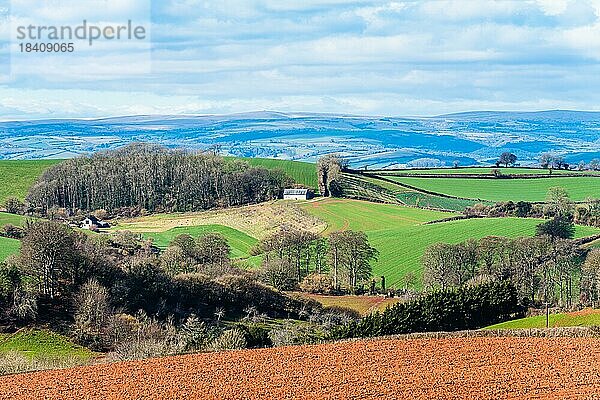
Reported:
(452, 368)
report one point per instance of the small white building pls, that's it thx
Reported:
(92, 223)
(297, 194)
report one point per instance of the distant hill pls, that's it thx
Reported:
(472, 138)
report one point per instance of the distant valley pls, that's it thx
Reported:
(474, 138)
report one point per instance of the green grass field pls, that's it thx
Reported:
(482, 171)
(16, 177)
(239, 242)
(41, 343)
(579, 188)
(8, 247)
(401, 238)
(13, 219)
(302, 172)
(587, 317)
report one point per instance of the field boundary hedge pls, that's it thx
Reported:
(574, 331)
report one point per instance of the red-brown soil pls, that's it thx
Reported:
(465, 368)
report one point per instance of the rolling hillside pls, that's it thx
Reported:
(239, 242)
(474, 138)
(16, 177)
(587, 317)
(401, 237)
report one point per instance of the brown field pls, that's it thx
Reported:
(363, 304)
(257, 220)
(451, 368)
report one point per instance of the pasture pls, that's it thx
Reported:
(239, 242)
(481, 171)
(17, 176)
(401, 237)
(8, 247)
(586, 317)
(301, 172)
(533, 190)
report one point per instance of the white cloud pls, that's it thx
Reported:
(553, 7)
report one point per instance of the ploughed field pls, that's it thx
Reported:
(451, 368)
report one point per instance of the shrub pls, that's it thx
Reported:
(317, 283)
(92, 311)
(232, 339)
(292, 334)
(14, 205)
(194, 335)
(147, 338)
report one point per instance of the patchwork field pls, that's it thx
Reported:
(586, 317)
(16, 177)
(483, 171)
(579, 188)
(396, 369)
(401, 237)
(399, 233)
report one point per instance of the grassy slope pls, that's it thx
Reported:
(8, 247)
(586, 317)
(507, 189)
(44, 344)
(16, 177)
(400, 236)
(239, 242)
(302, 172)
(6, 218)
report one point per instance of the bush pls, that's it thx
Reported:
(195, 335)
(92, 312)
(292, 334)
(232, 339)
(317, 283)
(257, 334)
(14, 205)
(146, 338)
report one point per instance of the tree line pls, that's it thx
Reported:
(558, 204)
(466, 307)
(291, 259)
(153, 178)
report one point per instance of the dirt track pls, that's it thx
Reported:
(391, 369)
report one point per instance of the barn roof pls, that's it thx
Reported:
(295, 192)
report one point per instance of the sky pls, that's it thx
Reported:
(393, 58)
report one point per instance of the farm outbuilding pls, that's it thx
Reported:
(92, 223)
(297, 194)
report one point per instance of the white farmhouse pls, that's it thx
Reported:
(92, 223)
(297, 194)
